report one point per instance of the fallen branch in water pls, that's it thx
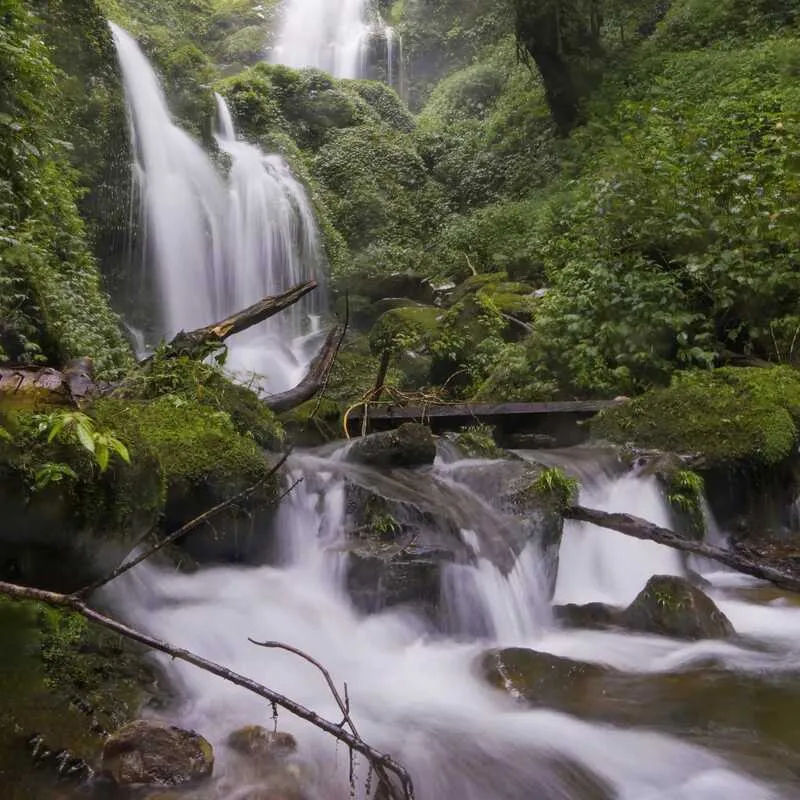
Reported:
(344, 707)
(185, 529)
(77, 605)
(774, 570)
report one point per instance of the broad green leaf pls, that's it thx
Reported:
(85, 436)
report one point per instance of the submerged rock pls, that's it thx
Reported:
(541, 679)
(410, 445)
(591, 615)
(671, 606)
(257, 741)
(152, 752)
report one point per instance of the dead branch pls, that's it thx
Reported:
(760, 565)
(77, 605)
(339, 344)
(315, 377)
(196, 343)
(344, 707)
(193, 524)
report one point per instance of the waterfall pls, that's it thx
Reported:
(220, 243)
(325, 35)
(336, 37)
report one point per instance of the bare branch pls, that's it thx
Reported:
(344, 707)
(312, 382)
(184, 529)
(76, 604)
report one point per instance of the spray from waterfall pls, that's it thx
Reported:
(219, 243)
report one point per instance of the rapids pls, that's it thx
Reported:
(416, 693)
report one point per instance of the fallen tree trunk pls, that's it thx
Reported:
(314, 379)
(759, 565)
(196, 343)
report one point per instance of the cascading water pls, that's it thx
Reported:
(336, 37)
(325, 35)
(219, 245)
(413, 693)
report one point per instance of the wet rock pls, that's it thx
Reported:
(671, 606)
(410, 445)
(541, 679)
(256, 741)
(381, 577)
(152, 752)
(594, 616)
(529, 441)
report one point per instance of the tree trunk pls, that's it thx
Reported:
(781, 572)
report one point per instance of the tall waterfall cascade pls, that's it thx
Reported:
(337, 37)
(218, 242)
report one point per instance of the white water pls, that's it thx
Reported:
(220, 243)
(416, 694)
(328, 36)
(335, 37)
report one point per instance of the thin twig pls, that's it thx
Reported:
(344, 706)
(182, 531)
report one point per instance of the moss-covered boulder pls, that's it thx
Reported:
(410, 445)
(671, 606)
(152, 752)
(744, 415)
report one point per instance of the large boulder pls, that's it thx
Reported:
(410, 445)
(152, 752)
(671, 606)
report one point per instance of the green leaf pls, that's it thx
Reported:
(85, 436)
(121, 450)
(102, 455)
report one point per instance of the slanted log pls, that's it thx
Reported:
(196, 343)
(783, 573)
(314, 379)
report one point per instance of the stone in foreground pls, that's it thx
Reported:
(671, 606)
(257, 741)
(152, 752)
(410, 445)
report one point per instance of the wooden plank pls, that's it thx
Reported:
(484, 410)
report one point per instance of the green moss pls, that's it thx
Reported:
(315, 421)
(747, 415)
(410, 328)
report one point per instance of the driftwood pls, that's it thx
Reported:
(197, 342)
(314, 379)
(76, 383)
(780, 572)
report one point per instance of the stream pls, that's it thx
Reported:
(726, 728)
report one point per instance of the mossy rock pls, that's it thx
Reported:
(152, 752)
(671, 606)
(410, 328)
(478, 442)
(410, 445)
(745, 416)
(314, 422)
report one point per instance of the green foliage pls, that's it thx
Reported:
(746, 415)
(477, 441)
(102, 444)
(52, 304)
(401, 329)
(685, 493)
(555, 488)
